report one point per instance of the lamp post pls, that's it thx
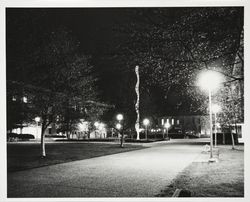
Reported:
(167, 126)
(215, 109)
(37, 120)
(101, 129)
(96, 124)
(118, 126)
(210, 80)
(146, 123)
(119, 117)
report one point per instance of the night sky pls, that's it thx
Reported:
(96, 30)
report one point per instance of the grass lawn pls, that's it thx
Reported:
(222, 179)
(21, 156)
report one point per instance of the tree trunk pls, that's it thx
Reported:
(43, 152)
(223, 136)
(233, 144)
(121, 145)
(236, 132)
(68, 134)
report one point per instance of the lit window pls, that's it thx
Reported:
(178, 122)
(162, 121)
(172, 121)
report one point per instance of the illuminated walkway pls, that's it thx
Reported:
(140, 173)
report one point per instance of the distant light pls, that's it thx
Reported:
(25, 100)
(96, 124)
(209, 80)
(146, 122)
(83, 126)
(101, 126)
(118, 126)
(216, 108)
(37, 119)
(119, 117)
(167, 125)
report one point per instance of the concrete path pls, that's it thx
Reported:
(141, 173)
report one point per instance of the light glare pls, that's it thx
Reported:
(209, 80)
(167, 125)
(37, 119)
(145, 122)
(119, 117)
(215, 108)
(118, 126)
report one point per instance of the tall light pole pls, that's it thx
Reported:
(119, 117)
(215, 109)
(167, 126)
(210, 80)
(96, 124)
(146, 123)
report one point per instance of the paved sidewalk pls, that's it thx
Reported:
(140, 173)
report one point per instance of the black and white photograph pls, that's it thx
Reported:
(124, 102)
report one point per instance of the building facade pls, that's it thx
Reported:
(194, 125)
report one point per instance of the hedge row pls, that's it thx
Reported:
(20, 136)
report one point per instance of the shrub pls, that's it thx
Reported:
(15, 136)
(55, 136)
(26, 136)
(12, 135)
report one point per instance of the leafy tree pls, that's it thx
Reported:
(173, 45)
(57, 78)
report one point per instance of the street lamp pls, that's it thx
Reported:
(146, 123)
(119, 117)
(118, 126)
(210, 80)
(167, 126)
(37, 120)
(215, 109)
(96, 124)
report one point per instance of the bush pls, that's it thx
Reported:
(16, 137)
(12, 135)
(55, 136)
(26, 136)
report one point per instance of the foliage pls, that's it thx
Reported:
(172, 45)
(50, 70)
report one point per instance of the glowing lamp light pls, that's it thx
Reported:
(118, 126)
(146, 122)
(96, 124)
(167, 125)
(209, 80)
(25, 100)
(216, 108)
(37, 119)
(101, 126)
(119, 117)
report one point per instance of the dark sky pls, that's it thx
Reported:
(96, 29)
